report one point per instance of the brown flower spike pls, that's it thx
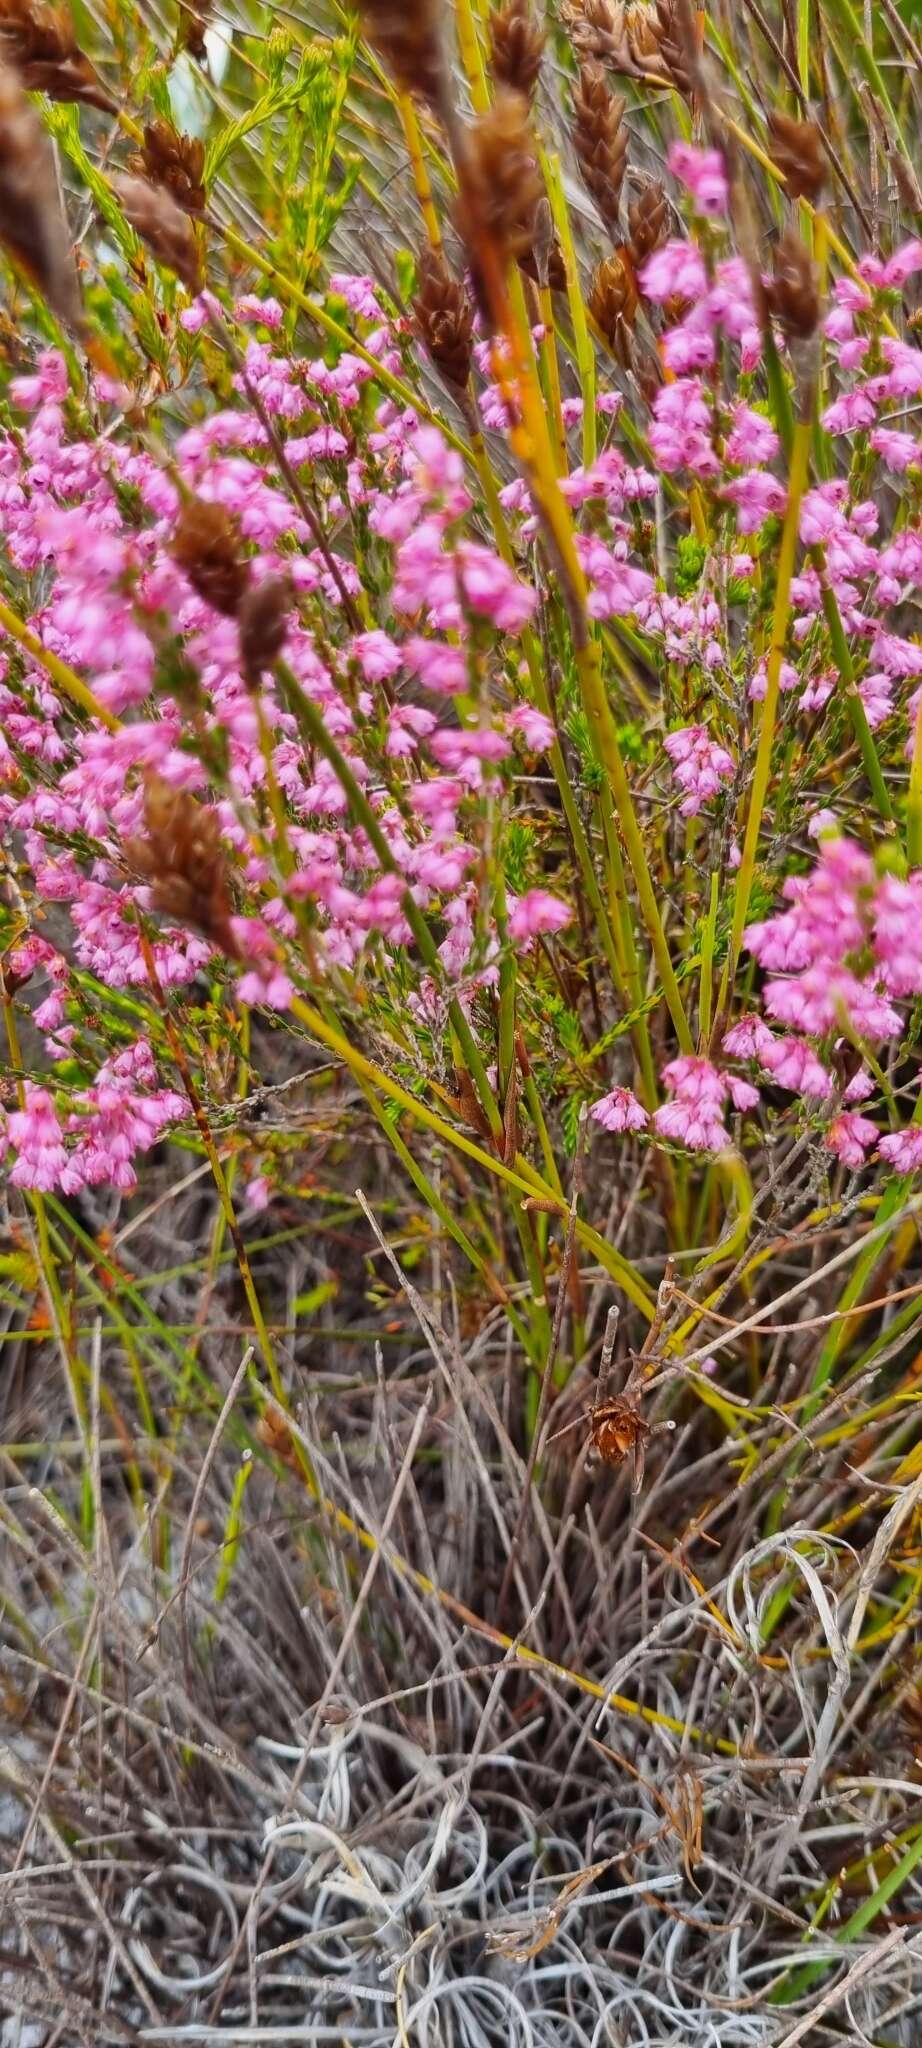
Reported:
(648, 218)
(183, 860)
(32, 226)
(167, 231)
(174, 161)
(409, 40)
(791, 296)
(445, 319)
(624, 38)
(207, 545)
(501, 190)
(797, 151)
(613, 304)
(40, 44)
(516, 48)
(263, 624)
(600, 139)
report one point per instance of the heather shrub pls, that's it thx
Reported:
(461, 802)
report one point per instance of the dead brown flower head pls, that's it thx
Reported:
(600, 139)
(516, 48)
(677, 44)
(32, 226)
(40, 44)
(613, 303)
(193, 24)
(648, 222)
(501, 189)
(797, 151)
(790, 294)
(262, 620)
(408, 39)
(182, 858)
(207, 545)
(626, 39)
(162, 225)
(175, 162)
(445, 319)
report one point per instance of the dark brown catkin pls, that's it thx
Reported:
(408, 38)
(40, 44)
(648, 222)
(32, 226)
(600, 140)
(167, 231)
(516, 48)
(623, 38)
(175, 162)
(502, 186)
(445, 319)
(613, 304)
(207, 545)
(262, 622)
(182, 858)
(677, 45)
(790, 294)
(796, 149)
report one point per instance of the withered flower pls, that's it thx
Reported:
(263, 623)
(207, 545)
(516, 47)
(32, 225)
(409, 40)
(183, 860)
(552, 260)
(173, 161)
(502, 189)
(791, 295)
(40, 44)
(167, 231)
(624, 38)
(613, 303)
(600, 139)
(797, 151)
(445, 319)
(677, 44)
(648, 217)
(193, 24)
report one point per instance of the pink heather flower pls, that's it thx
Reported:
(876, 695)
(536, 912)
(860, 1086)
(897, 932)
(747, 1039)
(257, 1192)
(849, 413)
(757, 496)
(702, 173)
(491, 588)
(850, 1136)
(267, 312)
(680, 431)
(897, 450)
(359, 294)
(752, 438)
(620, 1111)
(676, 271)
(903, 1149)
(38, 1141)
(742, 1093)
(536, 729)
(699, 764)
(439, 668)
(377, 655)
(700, 1129)
(793, 1065)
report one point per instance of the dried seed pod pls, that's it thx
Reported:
(677, 44)
(445, 319)
(556, 278)
(502, 188)
(183, 859)
(32, 225)
(167, 231)
(648, 217)
(262, 619)
(613, 303)
(193, 26)
(175, 162)
(516, 48)
(797, 151)
(409, 39)
(40, 44)
(273, 1432)
(790, 295)
(600, 139)
(624, 38)
(206, 544)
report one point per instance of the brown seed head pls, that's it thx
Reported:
(648, 219)
(262, 619)
(677, 44)
(791, 296)
(516, 47)
(206, 544)
(193, 22)
(623, 38)
(502, 188)
(409, 40)
(40, 44)
(175, 162)
(556, 278)
(600, 139)
(182, 857)
(445, 319)
(32, 226)
(167, 231)
(613, 303)
(797, 151)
